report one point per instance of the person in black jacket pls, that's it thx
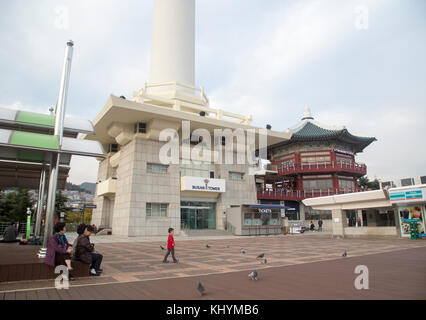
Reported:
(319, 225)
(85, 251)
(10, 234)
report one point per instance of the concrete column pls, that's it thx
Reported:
(173, 42)
(302, 211)
(338, 223)
(359, 215)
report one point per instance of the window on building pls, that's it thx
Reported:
(257, 220)
(236, 176)
(156, 210)
(140, 127)
(317, 184)
(156, 168)
(351, 218)
(311, 214)
(113, 147)
(204, 170)
(274, 219)
(247, 219)
(385, 218)
(317, 159)
(346, 184)
(345, 159)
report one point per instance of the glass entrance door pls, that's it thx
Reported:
(198, 216)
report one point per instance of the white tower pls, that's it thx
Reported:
(173, 44)
(172, 77)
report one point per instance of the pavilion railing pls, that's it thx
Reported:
(284, 194)
(321, 166)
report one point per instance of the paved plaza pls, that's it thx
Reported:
(307, 267)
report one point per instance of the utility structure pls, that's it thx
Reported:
(30, 156)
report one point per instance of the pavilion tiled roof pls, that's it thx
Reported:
(310, 130)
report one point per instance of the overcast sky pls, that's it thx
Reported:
(355, 63)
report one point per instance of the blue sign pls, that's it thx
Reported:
(405, 196)
(412, 220)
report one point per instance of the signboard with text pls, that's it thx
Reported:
(407, 195)
(202, 184)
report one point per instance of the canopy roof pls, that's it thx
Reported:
(15, 119)
(27, 144)
(44, 142)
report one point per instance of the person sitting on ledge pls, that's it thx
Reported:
(85, 251)
(59, 250)
(35, 241)
(10, 234)
(80, 230)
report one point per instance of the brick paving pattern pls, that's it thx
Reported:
(138, 267)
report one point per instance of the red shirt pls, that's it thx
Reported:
(170, 242)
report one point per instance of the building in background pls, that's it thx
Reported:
(319, 160)
(385, 212)
(137, 193)
(405, 182)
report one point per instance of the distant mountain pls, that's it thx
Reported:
(90, 186)
(84, 187)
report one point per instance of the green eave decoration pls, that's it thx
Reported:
(34, 140)
(36, 118)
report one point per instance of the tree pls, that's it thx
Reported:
(13, 205)
(363, 182)
(374, 185)
(366, 184)
(60, 202)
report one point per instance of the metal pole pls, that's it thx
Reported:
(59, 128)
(40, 202)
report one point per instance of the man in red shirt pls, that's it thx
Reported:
(170, 247)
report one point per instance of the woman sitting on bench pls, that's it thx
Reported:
(85, 251)
(59, 250)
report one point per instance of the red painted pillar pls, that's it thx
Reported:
(335, 183)
(333, 157)
(298, 158)
(299, 183)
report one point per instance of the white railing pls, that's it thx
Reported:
(143, 95)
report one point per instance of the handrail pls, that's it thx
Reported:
(302, 194)
(321, 165)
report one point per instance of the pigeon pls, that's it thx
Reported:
(260, 256)
(162, 248)
(344, 254)
(207, 246)
(253, 275)
(265, 261)
(201, 289)
(243, 251)
(227, 246)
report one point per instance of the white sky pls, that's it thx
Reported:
(265, 58)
